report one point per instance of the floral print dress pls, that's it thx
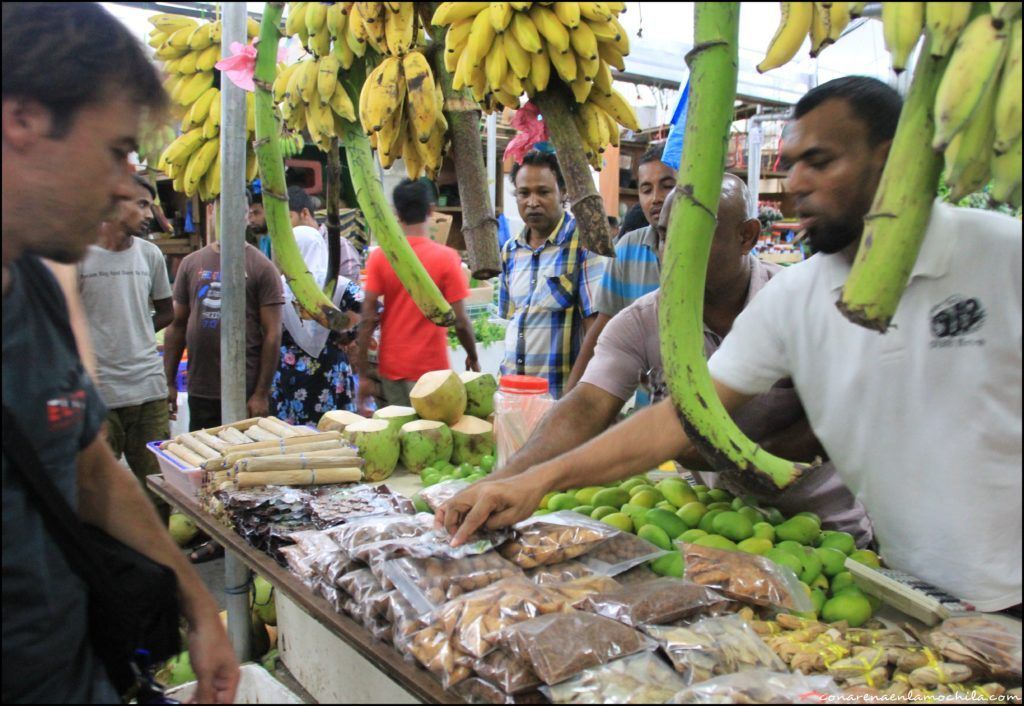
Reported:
(304, 387)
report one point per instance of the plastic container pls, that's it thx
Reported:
(256, 686)
(187, 479)
(519, 404)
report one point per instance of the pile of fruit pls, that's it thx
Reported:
(673, 511)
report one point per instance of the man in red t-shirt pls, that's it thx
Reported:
(410, 344)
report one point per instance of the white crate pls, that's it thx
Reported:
(187, 479)
(256, 686)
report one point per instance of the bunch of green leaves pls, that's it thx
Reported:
(484, 331)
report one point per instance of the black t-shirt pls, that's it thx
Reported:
(47, 656)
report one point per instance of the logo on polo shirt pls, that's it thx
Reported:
(955, 320)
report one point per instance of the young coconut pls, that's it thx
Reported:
(480, 389)
(378, 446)
(472, 439)
(337, 420)
(424, 443)
(439, 396)
(396, 415)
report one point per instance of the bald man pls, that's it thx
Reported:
(630, 345)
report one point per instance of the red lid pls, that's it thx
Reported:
(524, 384)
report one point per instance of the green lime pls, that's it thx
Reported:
(487, 463)
(603, 511)
(690, 513)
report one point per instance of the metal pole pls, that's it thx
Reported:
(492, 158)
(233, 208)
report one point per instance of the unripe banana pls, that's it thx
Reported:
(400, 28)
(337, 19)
(518, 58)
(553, 31)
(500, 15)
(327, 77)
(343, 52)
(1005, 10)
(973, 68)
(568, 13)
(449, 12)
(1006, 176)
(969, 155)
(526, 33)
(1008, 100)
(540, 71)
(902, 23)
(945, 21)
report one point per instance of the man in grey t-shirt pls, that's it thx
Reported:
(119, 280)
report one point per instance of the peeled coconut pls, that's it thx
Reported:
(378, 446)
(396, 415)
(337, 420)
(439, 396)
(480, 389)
(424, 443)
(472, 439)
(182, 529)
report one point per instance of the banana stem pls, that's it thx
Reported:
(713, 66)
(894, 229)
(587, 205)
(333, 219)
(383, 224)
(480, 227)
(275, 196)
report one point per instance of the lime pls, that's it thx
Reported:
(690, 513)
(850, 605)
(832, 560)
(692, 535)
(733, 525)
(603, 511)
(619, 520)
(487, 463)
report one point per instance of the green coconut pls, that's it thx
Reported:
(439, 396)
(424, 443)
(396, 415)
(480, 389)
(472, 439)
(263, 605)
(337, 420)
(377, 444)
(182, 529)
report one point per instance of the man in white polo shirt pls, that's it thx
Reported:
(924, 422)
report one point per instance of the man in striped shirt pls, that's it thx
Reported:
(548, 279)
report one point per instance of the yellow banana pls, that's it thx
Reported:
(386, 93)
(184, 145)
(481, 38)
(280, 86)
(595, 11)
(580, 85)
(343, 52)
(1006, 176)
(252, 28)
(460, 79)
(355, 42)
(521, 6)
(1005, 10)
(611, 54)
(179, 38)
(617, 106)
(337, 19)
(156, 38)
(457, 35)
(1008, 100)
(565, 64)
(216, 31)
(315, 17)
(320, 43)
(969, 155)
(495, 65)
(208, 58)
(250, 114)
(307, 81)
(611, 125)
(168, 23)
(431, 152)
(187, 63)
(603, 77)
(511, 84)
(839, 17)
(196, 115)
(411, 158)
(526, 33)
(587, 121)
(821, 27)
(604, 31)
(200, 38)
(857, 9)
(327, 77)
(616, 8)
(420, 95)
(945, 21)
(390, 137)
(587, 66)
(501, 16)
(320, 119)
(211, 128)
(518, 58)
(568, 13)
(549, 26)
(584, 42)
(973, 68)
(252, 167)
(292, 95)
(376, 34)
(341, 104)
(621, 37)
(296, 17)
(194, 87)
(902, 23)
(478, 83)
(356, 24)
(198, 163)
(449, 12)
(400, 28)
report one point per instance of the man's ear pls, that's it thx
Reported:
(879, 155)
(750, 231)
(25, 122)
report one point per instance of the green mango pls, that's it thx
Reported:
(655, 535)
(603, 511)
(716, 541)
(669, 565)
(667, 521)
(833, 561)
(784, 558)
(840, 581)
(691, 535)
(691, 513)
(676, 491)
(799, 528)
(866, 557)
(794, 548)
(720, 496)
(562, 501)
(584, 509)
(709, 517)
(619, 520)
(733, 525)
(755, 545)
(586, 495)
(615, 497)
(811, 566)
(764, 530)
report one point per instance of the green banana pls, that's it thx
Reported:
(271, 167)
(894, 228)
(969, 156)
(691, 229)
(1006, 176)
(1008, 102)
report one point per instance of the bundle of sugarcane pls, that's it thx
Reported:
(336, 458)
(317, 476)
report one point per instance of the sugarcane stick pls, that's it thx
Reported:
(302, 430)
(190, 458)
(233, 437)
(328, 446)
(177, 459)
(195, 445)
(299, 462)
(210, 440)
(240, 425)
(276, 426)
(296, 454)
(283, 444)
(319, 476)
(258, 433)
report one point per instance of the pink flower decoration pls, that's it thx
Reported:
(289, 358)
(241, 65)
(529, 131)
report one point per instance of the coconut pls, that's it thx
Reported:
(338, 420)
(182, 529)
(263, 605)
(378, 446)
(480, 389)
(396, 415)
(424, 443)
(439, 396)
(472, 439)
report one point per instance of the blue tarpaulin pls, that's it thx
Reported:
(673, 153)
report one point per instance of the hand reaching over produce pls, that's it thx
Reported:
(489, 505)
(213, 661)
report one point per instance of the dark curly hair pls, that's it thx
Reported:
(536, 158)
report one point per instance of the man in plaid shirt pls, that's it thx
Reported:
(548, 280)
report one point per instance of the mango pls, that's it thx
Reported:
(631, 510)
(832, 560)
(811, 566)
(562, 501)
(584, 509)
(615, 497)
(733, 525)
(603, 511)
(655, 535)
(775, 516)
(646, 498)
(639, 488)
(691, 535)
(586, 495)
(619, 520)
(669, 565)
(784, 558)
(843, 579)
(666, 506)
(794, 548)
(709, 517)
(751, 514)
(717, 542)
(850, 605)
(667, 521)
(819, 599)
(721, 505)
(798, 528)
(691, 513)
(866, 557)
(764, 530)
(720, 496)
(755, 545)
(676, 491)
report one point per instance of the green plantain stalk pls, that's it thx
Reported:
(275, 194)
(382, 222)
(333, 186)
(894, 229)
(713, 66)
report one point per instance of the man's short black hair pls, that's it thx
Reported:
(145, 185)
(412, 201)
(298, 199)
(654, 153)
(536, 158)
(872, 101)
(634, 220)
(254, 198)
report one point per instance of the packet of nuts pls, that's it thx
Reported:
(759, 686)
(665, 600)
(379, 528)
(560, 646)
(639, 679)
(621, 553)
(511, 675)
(714, 646)
(435, 543)
(559, 573)
(990, 645)
(554, 538)
(428, 583)
(438, 494)
(744, 577)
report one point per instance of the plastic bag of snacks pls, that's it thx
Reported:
(572, 592)
(335, 506)
(747, 578)
(560, 646)
(511, 675)
(655, 602)
(480, 691)
(554, 538)
(638, 574)
(405, 620)
(438, 494)
(352, 536)
(990, 645)
(714, 646)
(760, 686)
(440, 653)
(621, 553)
(359, 585)
(430, 582)
(639, 679)
(559, 573)
(434, 544)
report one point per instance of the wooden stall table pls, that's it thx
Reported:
(331, 656)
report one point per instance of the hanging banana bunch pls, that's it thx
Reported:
(501, 50)
(189, 50)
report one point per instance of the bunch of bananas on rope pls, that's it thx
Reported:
(500, 50)
(310, 97)
(823, 22)
(389, 28)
